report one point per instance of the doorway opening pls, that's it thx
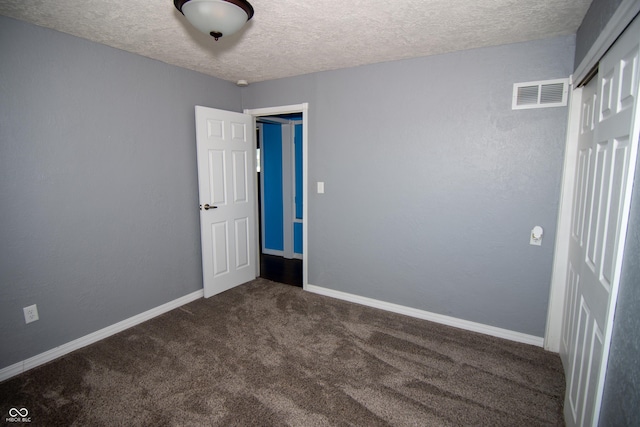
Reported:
(281, 153)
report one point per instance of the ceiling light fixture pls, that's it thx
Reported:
(216, 17)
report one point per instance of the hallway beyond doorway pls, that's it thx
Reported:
(282, 270)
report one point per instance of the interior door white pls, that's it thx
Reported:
(607, 150)
(226, 182)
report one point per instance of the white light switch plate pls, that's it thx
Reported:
(320, 187)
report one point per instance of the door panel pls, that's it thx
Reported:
(570, 305)
(240, 177)
(217, 178)
(243, 247)
(220, 253)
(227, 184)
(600, 210)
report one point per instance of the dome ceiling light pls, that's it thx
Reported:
(216, 17)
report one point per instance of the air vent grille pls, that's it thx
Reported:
(528, 95)
(551, 93)
(540, 94)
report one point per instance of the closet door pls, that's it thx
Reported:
(607, 152)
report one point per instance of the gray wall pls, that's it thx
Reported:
(433, 183)
(98, 185)
(622, 381)
(592, 25)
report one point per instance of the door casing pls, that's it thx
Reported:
(288, 109)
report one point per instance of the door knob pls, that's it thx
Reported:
(207, 207)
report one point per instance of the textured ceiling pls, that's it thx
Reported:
(287, 38)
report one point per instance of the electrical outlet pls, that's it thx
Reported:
(31, 313)
(536, 236)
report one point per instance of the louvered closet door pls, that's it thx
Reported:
(606, 156)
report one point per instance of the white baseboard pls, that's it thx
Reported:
(426, 315)
(273, 252)
(40, 359)
(47, 356)
(280, 253)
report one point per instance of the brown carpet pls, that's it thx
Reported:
(272, 354)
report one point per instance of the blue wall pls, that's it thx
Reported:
(298, 172)
(297, 227)
(271, 152)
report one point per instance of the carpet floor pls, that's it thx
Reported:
(271, 354)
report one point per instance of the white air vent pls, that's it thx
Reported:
(542, 94)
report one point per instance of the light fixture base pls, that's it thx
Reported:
(216, 17)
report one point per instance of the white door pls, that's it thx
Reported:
(226, 182)
(607, 150)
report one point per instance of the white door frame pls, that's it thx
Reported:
(625, 13)
(555, 311)
(288, 109)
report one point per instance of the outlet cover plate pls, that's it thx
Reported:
(31, 313)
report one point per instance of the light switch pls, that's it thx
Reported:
(320, 187)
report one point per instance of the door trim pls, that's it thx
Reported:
(288, 109)
(555, 311)
(626, 12)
